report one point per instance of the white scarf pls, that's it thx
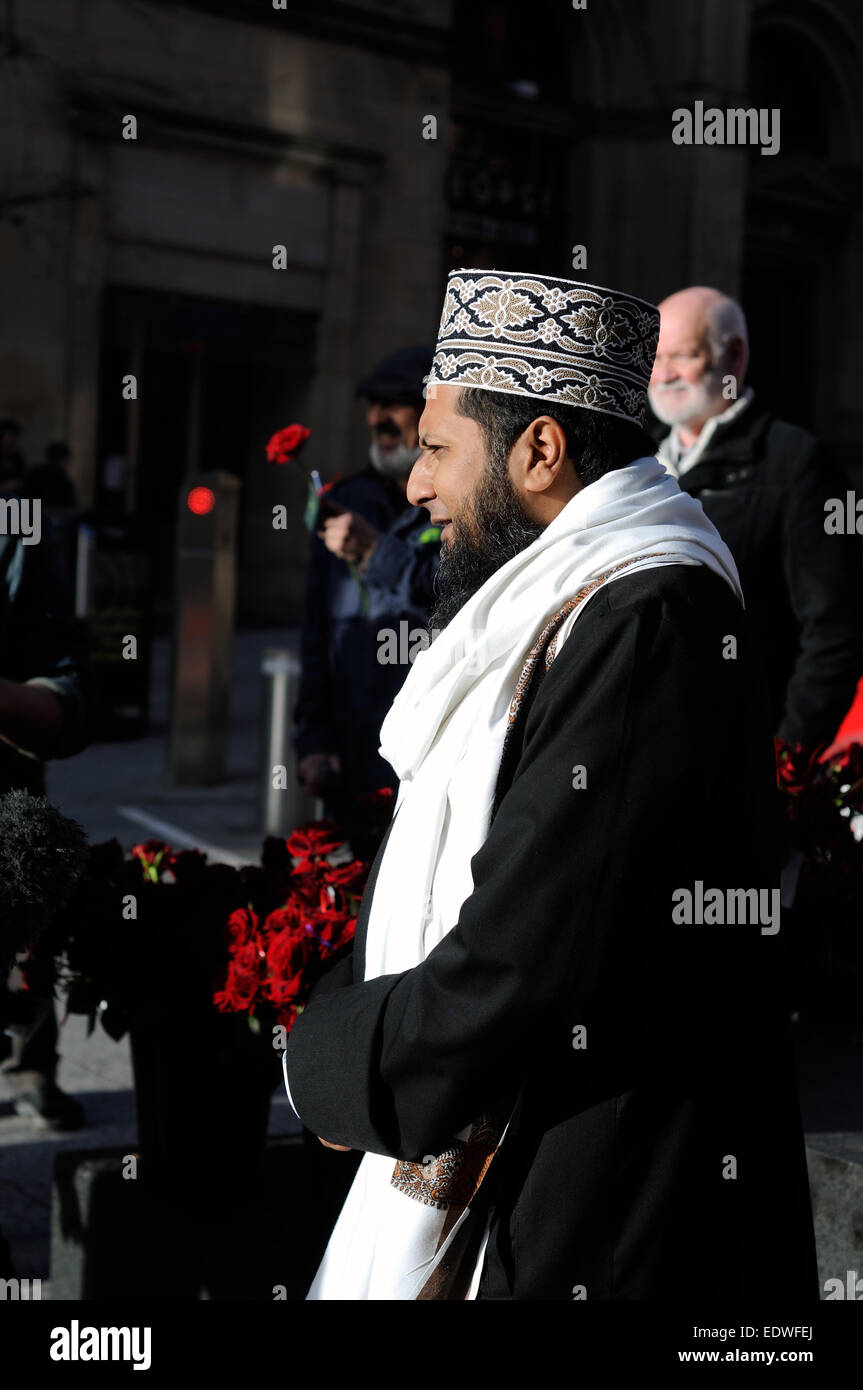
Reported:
(444, 736)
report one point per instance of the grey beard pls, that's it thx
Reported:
(706, 394)
(495, 530)
(395, 463)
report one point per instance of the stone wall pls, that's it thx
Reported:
(249, 136)
(304, 127)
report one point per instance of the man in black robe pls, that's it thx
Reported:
(586, 1077)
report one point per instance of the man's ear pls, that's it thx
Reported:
(543, 455)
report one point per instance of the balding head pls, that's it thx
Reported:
(708, 313)
(700, 359)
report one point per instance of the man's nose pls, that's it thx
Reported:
(663, 371)
(420, 491)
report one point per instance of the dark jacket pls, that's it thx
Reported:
(41, 640)
(667, 1154)
(345, 688)
(763, 484)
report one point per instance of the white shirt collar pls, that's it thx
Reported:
(679, 460)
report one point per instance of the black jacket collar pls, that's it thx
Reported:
(741, 441)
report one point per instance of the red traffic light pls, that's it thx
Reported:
(201, 500)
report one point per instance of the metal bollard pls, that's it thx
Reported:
(84, 571)
(204, 584)
(281, 808)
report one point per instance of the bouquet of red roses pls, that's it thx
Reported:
(822, 796)
(823, 800)
(148, 930)
(276, 958)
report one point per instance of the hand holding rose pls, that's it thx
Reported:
(349, 536)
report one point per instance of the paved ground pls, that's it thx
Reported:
(109, 780)
(92, 788)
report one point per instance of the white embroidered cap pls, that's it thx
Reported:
(553, 339)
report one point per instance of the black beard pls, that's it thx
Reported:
(494, 529)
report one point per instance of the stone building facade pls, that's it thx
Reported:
(306, 126)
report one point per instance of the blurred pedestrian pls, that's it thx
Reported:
(763, 483)
(45, 697)
(50, 480)
(372, 566)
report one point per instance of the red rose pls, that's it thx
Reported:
(284, 444)
(288, 918)
(314, 840)
(151, 851)
(284, 994)
(349, 877)
(288, 957)
(792, 766)
(151, 855)
(242, 926)
(325, 926)
(332, 928)
(288, 952)
(306, 884)
(245, 974)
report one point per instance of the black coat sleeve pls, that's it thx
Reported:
(824, 576)
(561, 903)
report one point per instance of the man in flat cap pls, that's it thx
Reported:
(370, 586)
(558, 1038)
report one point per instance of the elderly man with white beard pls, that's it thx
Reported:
(560, 1090)
(764, 485)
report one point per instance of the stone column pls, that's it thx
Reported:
(337, 368)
